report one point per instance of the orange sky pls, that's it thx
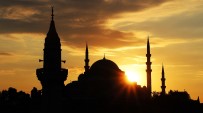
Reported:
(118, 28)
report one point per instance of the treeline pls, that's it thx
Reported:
(13, 101)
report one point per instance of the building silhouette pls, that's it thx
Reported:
(86, 60)
(102, 88)
(149, 70)
(52, 76)
(163, 79)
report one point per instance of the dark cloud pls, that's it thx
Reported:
(5, 54)
(24, 3)
(20, 26)
(77, 21)
(103, 38)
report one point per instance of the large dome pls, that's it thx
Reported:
(102, 71)
(104, 64)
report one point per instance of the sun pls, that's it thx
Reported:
(132, 76)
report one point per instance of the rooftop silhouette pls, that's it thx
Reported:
(102, 88)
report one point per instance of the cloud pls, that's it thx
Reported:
(77, 21)
(15, 13)
(5, 54)
(186, 25)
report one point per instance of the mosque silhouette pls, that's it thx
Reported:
(102, 88)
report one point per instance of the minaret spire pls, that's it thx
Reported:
(148, 45)
(52, 29)
(86, 59)
(52, 13)
(163, 86)
(198, 100)
(148, 70)
(163, 73)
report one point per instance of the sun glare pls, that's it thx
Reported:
(132, 76)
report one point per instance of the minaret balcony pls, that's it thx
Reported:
(163, 87)
(148, 55)
(148, 63)
(62, 74)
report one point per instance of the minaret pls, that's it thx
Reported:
(163, 86)
(52, 76)
(198, 100)
(148, 70)
(86, 60)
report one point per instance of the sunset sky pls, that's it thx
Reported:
(118, 28)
